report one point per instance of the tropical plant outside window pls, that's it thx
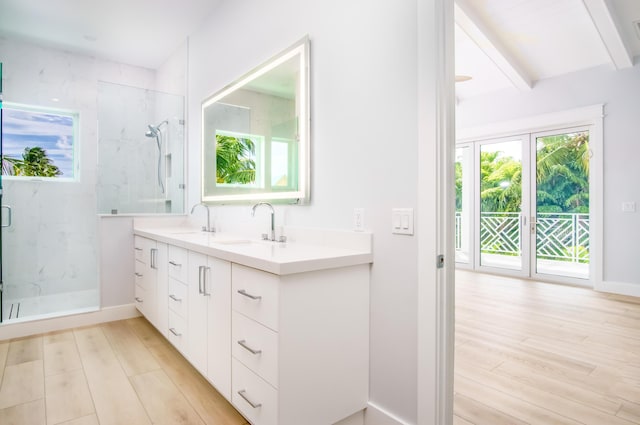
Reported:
(38, 143)
(237, 158)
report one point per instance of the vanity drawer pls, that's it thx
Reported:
(140, 270)
(139, 298)
(252, 396)
(138, 248)
(177, 331)
(177, 259)
(256, 346)
(178, 297)
(255, 294)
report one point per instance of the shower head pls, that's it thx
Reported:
(155, 130)
(152, 132)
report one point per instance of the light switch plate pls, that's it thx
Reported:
(628, 207)
(402, 221)
(358, 219)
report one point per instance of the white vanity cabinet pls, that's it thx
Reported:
(151, 281)
(209, 319)
(300, 345)
(280, 330)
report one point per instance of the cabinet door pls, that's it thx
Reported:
(218, 293)
(197, 312)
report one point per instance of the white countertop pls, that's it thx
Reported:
(274, 257)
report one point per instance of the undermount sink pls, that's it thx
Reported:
(232, 241)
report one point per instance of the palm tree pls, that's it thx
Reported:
(34, 163)
(562, 173)
(234, 163)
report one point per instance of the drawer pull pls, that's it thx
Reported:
(138, 249)
(174, 264)
(173, 331)
(253, 297)
(173, 297)
(242, 343)
(242, 393)
(139, 300)
(138, 274)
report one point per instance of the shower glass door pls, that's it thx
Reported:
(1, 204)
(49, 225)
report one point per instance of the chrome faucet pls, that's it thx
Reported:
(273, 213)
(208, 227)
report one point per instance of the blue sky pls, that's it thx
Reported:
(52, 132)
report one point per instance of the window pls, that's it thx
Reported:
(39, 143)
(239, 159)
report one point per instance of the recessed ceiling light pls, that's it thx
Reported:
(55, 99)
(89, 37)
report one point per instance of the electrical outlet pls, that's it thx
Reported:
(358, 219)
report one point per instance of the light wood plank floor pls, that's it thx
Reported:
(537, 353)
(111, 374)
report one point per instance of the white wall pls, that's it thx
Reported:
(618, 90)
(364, 145)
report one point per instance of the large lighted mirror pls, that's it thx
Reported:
(255, 133)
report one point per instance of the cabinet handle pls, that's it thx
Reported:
(253, 297)
(154, 252)
(138, 274)
(173, 331)
(205, 272)
(173, 297)
(242, 393)
(139, 300)
(137, 249)
(242, 343)
(200, 273)
(174, 264)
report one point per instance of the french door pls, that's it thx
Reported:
(522, 205)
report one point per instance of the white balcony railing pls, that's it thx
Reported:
(560, 236)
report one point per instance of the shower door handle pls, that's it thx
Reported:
(9, 215)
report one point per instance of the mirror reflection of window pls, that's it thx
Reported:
(256, 133)
(238, 159)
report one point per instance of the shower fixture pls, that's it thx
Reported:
(154, 131)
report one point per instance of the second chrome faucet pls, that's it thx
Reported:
(272, 235)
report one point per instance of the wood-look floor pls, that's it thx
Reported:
(112, 374)
(537, 353)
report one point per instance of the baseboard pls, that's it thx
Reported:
(107, 314)
(375, 415)
(621, 288)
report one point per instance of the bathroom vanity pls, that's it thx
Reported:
(279, 329)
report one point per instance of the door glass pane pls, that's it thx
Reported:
(464, 196)
(500, 204)
(562, 204)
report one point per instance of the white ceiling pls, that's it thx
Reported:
(511, 44)
(136, 32)
(502, 44)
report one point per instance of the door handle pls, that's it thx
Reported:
(9, 215)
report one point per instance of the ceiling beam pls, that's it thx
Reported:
(469, 21)
(605, 22)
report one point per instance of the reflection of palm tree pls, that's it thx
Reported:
(234, 163)
(34, 162)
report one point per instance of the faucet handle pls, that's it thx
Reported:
(282, 239)
(265, 237)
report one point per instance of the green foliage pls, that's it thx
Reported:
(34, 163)
(234, 163)
(562, 177)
